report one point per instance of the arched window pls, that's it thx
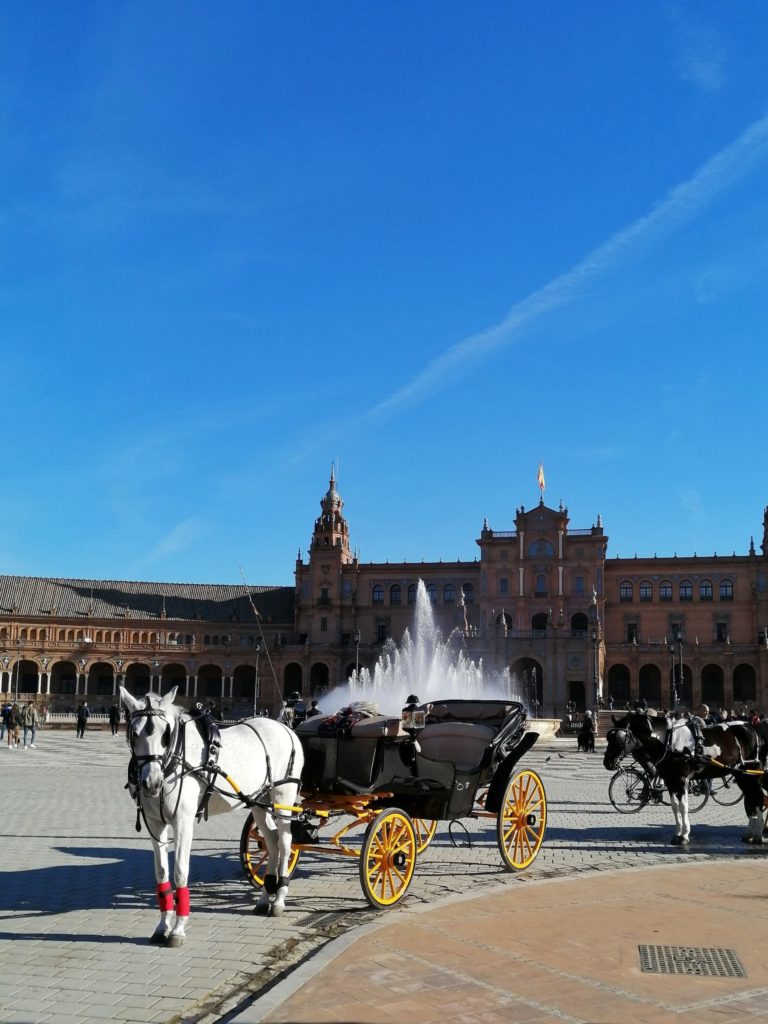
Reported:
(665, 591)
(541, 585)
(469, 593)
(686, 590)
(705, 590)
(539, 622)
(626, 591)
(726, 590)
(449, 594)
(646, 591)
(432, 592)
(413, 589)
(378, 594)
(579, 624)
(395, 594)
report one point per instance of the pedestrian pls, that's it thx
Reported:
(14, 727)
(313, 710)
(5, 714)
(30, 719)
(83, 714)
(114, 718)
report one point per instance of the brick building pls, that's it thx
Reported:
(542, 599)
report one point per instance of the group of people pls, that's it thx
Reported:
(294, 710)
(15, 718)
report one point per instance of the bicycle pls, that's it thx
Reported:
(633, 788)
(724, 791)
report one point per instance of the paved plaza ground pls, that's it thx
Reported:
(77, 907)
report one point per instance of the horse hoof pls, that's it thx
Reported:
(174, 941)
(276, 910)
(679, 841)
(752, 840)
(261, 909)
(159, 938)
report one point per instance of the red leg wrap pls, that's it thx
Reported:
(165, 896)
(182, 901)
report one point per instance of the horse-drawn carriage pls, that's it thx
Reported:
(398, 777)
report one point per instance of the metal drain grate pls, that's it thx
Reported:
(717, 963)
(319, 919)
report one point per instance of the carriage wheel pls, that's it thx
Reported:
(387, 858)
(522, 820)
(425, 832)
(254, 856)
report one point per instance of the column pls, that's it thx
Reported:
(559, 581)
(522, 579)
(39, 681)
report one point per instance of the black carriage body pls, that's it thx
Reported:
(434, 773)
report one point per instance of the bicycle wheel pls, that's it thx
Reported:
(698, 794)
(628, 790)
(725, 791)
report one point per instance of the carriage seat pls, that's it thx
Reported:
(478, 711)
(463, 743)
(376, 725)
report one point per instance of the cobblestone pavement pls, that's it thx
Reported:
(77, 897)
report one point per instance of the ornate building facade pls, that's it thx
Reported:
(542, 599)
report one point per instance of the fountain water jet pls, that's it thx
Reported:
(426, 665)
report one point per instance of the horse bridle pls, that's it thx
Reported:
(150, 713)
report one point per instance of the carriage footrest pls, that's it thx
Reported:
(304, 833)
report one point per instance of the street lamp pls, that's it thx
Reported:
(594, 668)
(257, 651)
(681, 686)
(356, 638)
(6, 660)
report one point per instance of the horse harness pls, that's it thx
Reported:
(208, 772)
(740, 769)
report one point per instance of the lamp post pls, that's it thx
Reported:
(356, 638)
(6, 661)
(594, 668)
(257, 651)
(681, 685)
(156, 667)
(82, 663)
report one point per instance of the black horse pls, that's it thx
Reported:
(668, 747)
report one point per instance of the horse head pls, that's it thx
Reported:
(616, 747)
(151, 727)
(626, 737)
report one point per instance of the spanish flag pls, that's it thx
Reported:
(540, 478)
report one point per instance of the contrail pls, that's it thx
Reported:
(678, 206)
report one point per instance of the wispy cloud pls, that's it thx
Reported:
(680, 205)
(701, 55)
(181, 537)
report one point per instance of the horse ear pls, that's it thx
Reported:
(130, 702)
(169, 698)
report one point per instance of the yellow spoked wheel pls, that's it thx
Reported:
(254, 856)
(425, 832)
(387, 858)
(522, 820)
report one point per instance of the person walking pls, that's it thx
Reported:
(5, 714)
(83, 714)
(14, 727)
(114, 718)
(30, 719)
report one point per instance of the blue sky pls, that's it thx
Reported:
(436, 242)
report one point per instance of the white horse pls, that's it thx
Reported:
(174, 779)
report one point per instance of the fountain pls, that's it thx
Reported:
(426, 665)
